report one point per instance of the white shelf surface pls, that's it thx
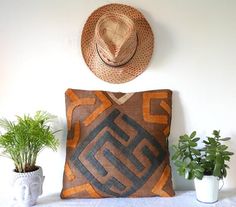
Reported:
(182, 198)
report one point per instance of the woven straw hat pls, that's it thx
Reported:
(117, 43)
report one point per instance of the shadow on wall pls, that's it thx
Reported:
(230, 179)
(177, 126)
(163, 42)
(63, 138)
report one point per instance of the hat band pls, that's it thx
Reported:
(119, 65)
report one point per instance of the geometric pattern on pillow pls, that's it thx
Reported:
(117, 144)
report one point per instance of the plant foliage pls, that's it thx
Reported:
(25, 138)
(194, 162)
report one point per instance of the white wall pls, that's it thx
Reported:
(195, 47)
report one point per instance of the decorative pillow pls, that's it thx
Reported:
(117, 144)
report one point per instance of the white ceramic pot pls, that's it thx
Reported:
(207, 189)
(27, 187)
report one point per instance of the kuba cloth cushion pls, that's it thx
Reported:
(117, 144)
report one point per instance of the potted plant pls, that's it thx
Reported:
(22, 141)
(206, 165)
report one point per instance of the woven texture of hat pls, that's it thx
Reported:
(117, 39)
(139, 61)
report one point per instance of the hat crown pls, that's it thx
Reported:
(116, 39)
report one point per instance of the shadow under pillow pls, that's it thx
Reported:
(117, 144)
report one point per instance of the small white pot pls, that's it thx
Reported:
(207, 189)
(27, 187)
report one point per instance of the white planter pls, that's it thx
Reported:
(207, 189)
(27, 187)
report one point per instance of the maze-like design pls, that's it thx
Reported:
(118, 151)
(116, 144)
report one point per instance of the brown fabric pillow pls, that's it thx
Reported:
(117, 144)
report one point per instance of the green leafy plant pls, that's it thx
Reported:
(194, 162)
(24, 139)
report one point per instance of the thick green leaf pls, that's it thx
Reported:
(193, 164)
(183, 147)
(198, 174)
(211, 151)
(191, 175)
(216, 133)
(196, 152)
(211, 140)
(186, 155)
(226, 166)
(174, 147)
(210, 157)
(222, 147)
(179, 163)
(184, 138)
(196, 139)
(193, 134)
(225, 139)
(181, 170)
(227, 153)
(192, 144)
(175, 156)
(227, 158)
(206, 142)
(201, 169)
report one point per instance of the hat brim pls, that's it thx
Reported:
(139, 61)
